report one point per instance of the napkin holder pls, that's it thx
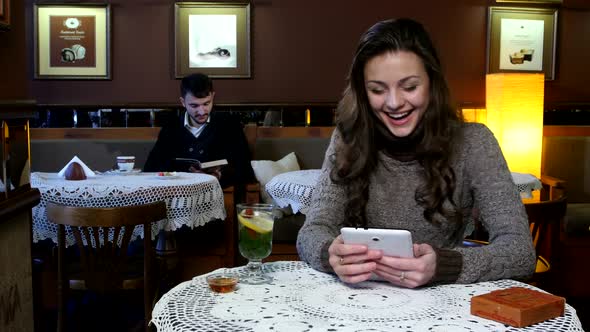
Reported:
(75, 172)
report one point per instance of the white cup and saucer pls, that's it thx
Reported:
(125, 163)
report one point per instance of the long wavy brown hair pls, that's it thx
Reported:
(361, 130)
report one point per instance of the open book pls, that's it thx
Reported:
(202, 166)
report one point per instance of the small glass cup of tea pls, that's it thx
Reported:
(222, 282)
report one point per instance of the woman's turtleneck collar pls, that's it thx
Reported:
(400, 148)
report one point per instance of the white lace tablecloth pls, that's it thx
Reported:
(192, 199)
(302, 299)
(295, 188)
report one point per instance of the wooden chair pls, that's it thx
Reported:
(553, 188)
(545, 224)
(545, 216)
(104, 268)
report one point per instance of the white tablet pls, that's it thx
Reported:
(393, 242)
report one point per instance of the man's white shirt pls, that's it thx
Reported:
(196, 131)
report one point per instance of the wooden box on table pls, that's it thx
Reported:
(517, 306)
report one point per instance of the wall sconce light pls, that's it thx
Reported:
(514, 104)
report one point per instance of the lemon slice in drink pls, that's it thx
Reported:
(257, 223)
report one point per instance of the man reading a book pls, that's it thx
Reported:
(201, 136)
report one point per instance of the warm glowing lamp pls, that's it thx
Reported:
(514, 104)
(475, 115)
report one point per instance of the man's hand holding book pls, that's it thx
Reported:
(210, 167)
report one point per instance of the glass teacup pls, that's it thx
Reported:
(255, 225)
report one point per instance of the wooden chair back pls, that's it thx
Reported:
(545, 221)
(103, 236)
(545, 224)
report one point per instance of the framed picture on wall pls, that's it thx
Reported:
(522, 40)
(212, 38)
(4, 15)
(72, 41)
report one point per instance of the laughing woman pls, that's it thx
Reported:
(402, 158)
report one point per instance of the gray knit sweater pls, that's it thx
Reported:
(482, 181)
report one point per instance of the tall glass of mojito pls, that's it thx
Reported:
(255, 223)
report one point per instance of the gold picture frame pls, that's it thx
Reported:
(522, 40)
(212, 38)
(4, 15)
(72, 41)
(554, 2)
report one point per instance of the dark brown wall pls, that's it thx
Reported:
(301, 50)
(13, 58)
(573, 64)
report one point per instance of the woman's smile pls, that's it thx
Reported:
(399, 115)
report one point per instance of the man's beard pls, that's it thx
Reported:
(195, 119)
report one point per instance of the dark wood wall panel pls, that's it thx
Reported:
(13, 56)
(301, 51)
(573, 67)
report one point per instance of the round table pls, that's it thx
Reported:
(192, 199)
(296, 188)
(303, 299)
(526, 183)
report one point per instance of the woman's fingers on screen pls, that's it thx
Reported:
(352, 263)
(401, 278)
(398, 264)
(387, 269)
(337, 261)
(357, 258)
(340, 249)
(406, 272)
(355, 278)
(409, 272)
(374, 254)
(355, 272)
(349, 249)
